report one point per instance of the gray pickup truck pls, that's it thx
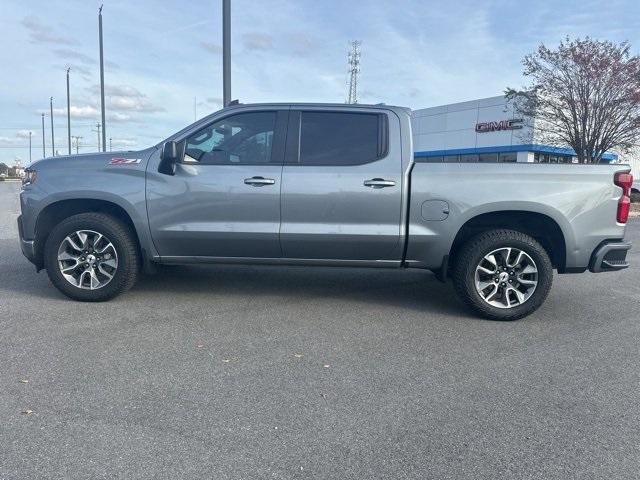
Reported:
(309, 184)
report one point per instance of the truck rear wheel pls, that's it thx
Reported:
(502, 274)
(91, 257)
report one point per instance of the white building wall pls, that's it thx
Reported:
(453, 126)
(633, 159)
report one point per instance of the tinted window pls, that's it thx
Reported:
(431, 159)
(331, 138)
(451, 158)
(508, 157)
(469, 158)
(488, 157)
(243, 139)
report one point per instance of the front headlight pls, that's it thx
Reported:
(30, 176)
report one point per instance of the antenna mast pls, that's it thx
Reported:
(354, 69)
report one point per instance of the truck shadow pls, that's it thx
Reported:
(413, 289)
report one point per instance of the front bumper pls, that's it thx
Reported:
(609, 257)
(27, 246)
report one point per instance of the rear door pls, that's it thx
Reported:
(224, 199)
(342, 185)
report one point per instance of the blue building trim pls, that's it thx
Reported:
(532, 147)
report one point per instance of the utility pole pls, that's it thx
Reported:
(104, 128)
(53, 140)
(68, 113)
(44, 154)
(30, 133)
(354, 70)
(99, 137)
(77, 139)
(226, 52)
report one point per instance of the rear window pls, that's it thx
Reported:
(332, 138)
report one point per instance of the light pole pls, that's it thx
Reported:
(226, 52)
(44, 154)
(30, 133)
(110, 144)
(104, 129)
(53, 141)
(68, 113)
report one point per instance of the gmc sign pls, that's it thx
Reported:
(484, 127)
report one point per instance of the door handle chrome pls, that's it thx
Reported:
(259, 181)
(379, 183)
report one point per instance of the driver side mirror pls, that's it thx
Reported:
(168, 158)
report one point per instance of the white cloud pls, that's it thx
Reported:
(67, 53)
(40, 33)
(23, 134)
(78, 112)
(118, 117)
(211, 47)
(257, 41)
(126, 98)
(124, 142)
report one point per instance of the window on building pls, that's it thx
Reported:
(451, 158)
(469, 158)
(488, 157)
(331, 138)
(508, 157)
(438, 159)
(242, 139)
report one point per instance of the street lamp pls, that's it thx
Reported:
(68, 113)
(44, 154)
(104, 127)
(226, 52)
(53, 141)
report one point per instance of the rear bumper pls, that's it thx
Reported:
(27, 246)
(609, 257)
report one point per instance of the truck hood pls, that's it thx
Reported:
(96, 159)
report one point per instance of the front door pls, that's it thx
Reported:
(224, 199)
(342, 186)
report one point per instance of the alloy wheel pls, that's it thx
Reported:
(506, 277)
(87, 259)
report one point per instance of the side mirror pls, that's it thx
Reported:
(168, 158)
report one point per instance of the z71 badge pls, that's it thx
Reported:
(125, 161)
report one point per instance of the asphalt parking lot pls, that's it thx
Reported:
(270, 372)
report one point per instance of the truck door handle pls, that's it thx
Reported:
(259, 181)
(379, 183)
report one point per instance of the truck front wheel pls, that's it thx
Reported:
(91, 257)
(502, 274)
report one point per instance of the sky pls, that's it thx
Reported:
(162, 58)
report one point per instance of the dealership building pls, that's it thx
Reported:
(485, 130)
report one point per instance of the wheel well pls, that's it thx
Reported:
(541, 227)
(53, 214)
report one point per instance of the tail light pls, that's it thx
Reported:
(624, 181)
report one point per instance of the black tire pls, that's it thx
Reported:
(122, 239)
(470, 256)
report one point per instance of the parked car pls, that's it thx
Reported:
(308, 184)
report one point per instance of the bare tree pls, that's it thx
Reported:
(585, 94)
